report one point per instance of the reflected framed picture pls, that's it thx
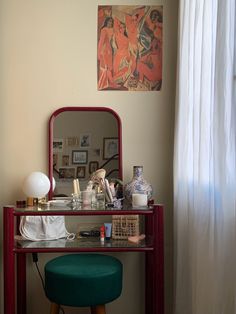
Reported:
(65, 160)
(79, 157)
(72, 141)
(80, 174)
(93, 166)
(110, 147)
(57, 145)
(67, 173)
(85, 140)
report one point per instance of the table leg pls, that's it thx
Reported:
(149, 267)
(158, 261)
(149, 283)
(8, 260)
(21, 283)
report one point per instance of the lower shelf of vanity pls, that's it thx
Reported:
(82, 245)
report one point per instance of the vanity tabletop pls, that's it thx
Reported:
(83, 211)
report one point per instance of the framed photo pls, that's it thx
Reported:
(72, 141)
(57, 145)
(65, 160)
(79, 157)
(85, 140)
(110, 147)
(67, 173)
(80, 172)
(93, 166)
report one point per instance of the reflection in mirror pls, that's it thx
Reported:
(82, 140)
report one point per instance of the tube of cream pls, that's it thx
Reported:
(108, 230)
(102, 237)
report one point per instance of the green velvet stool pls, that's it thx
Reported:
(83, 280)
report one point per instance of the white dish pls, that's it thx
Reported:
(59, 202)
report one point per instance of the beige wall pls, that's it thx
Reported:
(48, 60)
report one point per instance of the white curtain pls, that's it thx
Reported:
(204, 160)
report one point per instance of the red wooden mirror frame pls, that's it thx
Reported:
(82, 109)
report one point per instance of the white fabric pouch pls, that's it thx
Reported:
(41, 228)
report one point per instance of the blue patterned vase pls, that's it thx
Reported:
(137, 185)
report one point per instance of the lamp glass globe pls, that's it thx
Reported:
(36, 184)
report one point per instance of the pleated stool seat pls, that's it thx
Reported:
(83, 280)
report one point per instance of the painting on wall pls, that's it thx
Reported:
(81, 172)
(66, 173)
(57, 145)
(79, 157)
(72, 141)
(129, 51)
(110, 148)
(85, 140)
(93, 166)
(65, 160)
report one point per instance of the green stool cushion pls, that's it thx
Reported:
(83, 279)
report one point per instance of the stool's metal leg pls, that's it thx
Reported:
(54, 308)
(99, 309)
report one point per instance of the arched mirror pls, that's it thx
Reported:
(82, 140)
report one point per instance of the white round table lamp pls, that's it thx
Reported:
(36, 185)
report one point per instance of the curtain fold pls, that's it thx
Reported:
(204, 159)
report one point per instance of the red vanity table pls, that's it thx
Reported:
(15, 252)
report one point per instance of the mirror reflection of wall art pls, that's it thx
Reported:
(72, 141)
(110, 147)
(79, 157)
(57, 145)
(65, 160)
(67, 173)
(93, 166)
(85, 140)
(81, 172)
(129, 51)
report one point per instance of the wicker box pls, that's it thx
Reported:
(124, 226)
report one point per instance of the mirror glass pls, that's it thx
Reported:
(82, 140)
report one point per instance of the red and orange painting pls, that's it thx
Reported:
(129, 52)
